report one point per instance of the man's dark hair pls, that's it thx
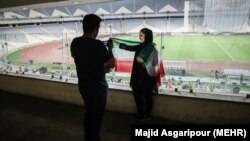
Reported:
(90, 22)
(148, 35)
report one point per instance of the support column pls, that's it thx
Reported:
(186, 15)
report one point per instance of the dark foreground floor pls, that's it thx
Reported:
(24, 118)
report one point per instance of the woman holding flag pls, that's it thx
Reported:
(145, 73)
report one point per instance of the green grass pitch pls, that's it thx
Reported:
(203, 48)
(195, 48)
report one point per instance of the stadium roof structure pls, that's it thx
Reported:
(14, 5)
(34, 14)
(144, 25)
(16, 11)
(168, 8)
(79, 12)
(123, 10)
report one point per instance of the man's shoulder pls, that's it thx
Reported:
(98, 41)
(76, 39)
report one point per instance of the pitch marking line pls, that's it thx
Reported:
(223, 49)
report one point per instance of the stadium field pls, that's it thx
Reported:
(195, 53)
(203, 48)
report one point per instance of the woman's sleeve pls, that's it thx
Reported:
(129, 47)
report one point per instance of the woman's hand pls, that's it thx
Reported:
(139, 60)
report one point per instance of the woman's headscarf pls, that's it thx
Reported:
(148, 36)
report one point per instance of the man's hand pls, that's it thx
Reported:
(114, 41)
(110, 44)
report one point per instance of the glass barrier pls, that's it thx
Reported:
(206, 49)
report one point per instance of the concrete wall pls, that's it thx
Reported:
(178, 108)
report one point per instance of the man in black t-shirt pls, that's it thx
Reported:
(91, 58)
